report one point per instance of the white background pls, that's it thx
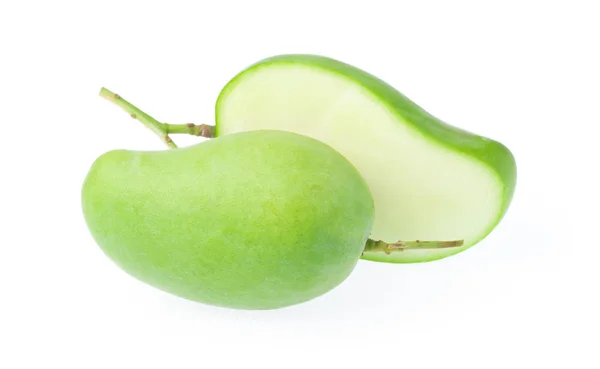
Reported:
(523, 72)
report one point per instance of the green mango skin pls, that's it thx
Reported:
(256, 220)
(488, 152)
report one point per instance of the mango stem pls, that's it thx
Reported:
(388, 248)
(202, 130)
(162, 130)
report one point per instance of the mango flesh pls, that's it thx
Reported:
(429, 180)
(256, 220)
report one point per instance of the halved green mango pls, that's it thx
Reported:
(429, 180)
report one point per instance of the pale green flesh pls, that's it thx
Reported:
(423, 188)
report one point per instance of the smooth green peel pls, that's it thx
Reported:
(256, 220)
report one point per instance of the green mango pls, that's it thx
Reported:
(429, 180)
(255, 220)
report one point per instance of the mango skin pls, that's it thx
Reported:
(255, 220)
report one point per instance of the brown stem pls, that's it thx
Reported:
(388, 248)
